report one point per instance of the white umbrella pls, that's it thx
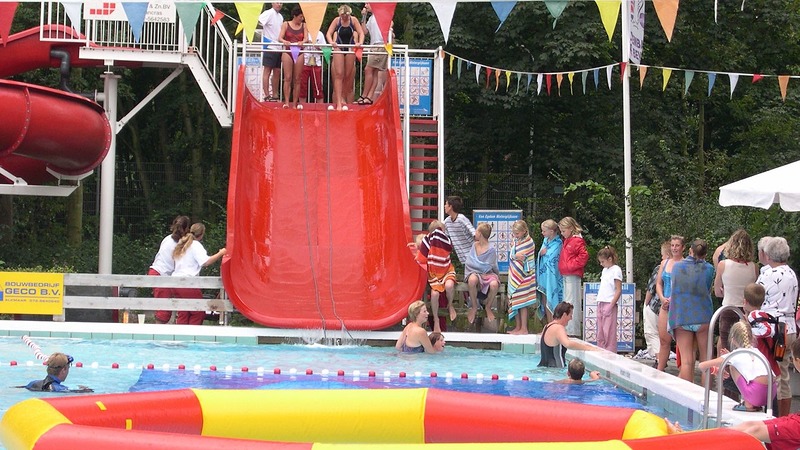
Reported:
(779, 185)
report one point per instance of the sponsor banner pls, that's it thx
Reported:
(31, 293)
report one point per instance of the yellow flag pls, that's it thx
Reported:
(248, 14)
(609, 13)
(666, 73)
(783, 82)
(452, 58)
(642, 74)
(508, 79)
(570, 76)
(388, 46)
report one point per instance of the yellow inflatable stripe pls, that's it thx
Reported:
(128, 424)
(25, 422)
(315, 415)
(606, 445)
(100, 406)
(643, 424)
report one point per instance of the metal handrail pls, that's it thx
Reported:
(725, 362)
(710, 347)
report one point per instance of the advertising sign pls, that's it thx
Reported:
(31, 293)
(501, 221)
(420, 81)
(163, 11)
(636, 20)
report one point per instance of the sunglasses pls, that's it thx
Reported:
(70, 359)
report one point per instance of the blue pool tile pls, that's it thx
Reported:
(122, 336)
(39, 334)
(184, 338)
(143, 337)
(81, 335)
(60, 334)
(163, 337)
(17, 333)
(204, 339)
(247, 340)
(3, 332)
(530, 349)
(226, 339)
(102, 336)
(513, 348)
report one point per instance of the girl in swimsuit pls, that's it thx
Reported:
(344, 30)
(293, 34)
(664, 292)
(414, 338)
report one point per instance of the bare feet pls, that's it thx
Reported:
(490, 315)
(471, 315)
(453, 314)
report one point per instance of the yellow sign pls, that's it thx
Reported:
(31, 293)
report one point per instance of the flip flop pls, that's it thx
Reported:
(359, 100)
(366, 101)
(741, 407)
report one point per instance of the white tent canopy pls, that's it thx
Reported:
(779, 185)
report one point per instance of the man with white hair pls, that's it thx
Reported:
(780, 285)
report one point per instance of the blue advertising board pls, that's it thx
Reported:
(420, 82)
(501, 221)
(626, 313)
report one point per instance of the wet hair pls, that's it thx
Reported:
(296, 11)
(435, 337)
(576, 369)
(740, 246)
(740, 335)
(754, 294)
(699, 248)
(777, 249)
(180, 226)
(436, 224)
(455, 203)
(485, 229)
(572, 224)
(562, 309)
(550, 224)
(344, 9)
(196, 232)
(520, 225)
(414, 309)
(608, 252)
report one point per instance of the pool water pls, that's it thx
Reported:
(159, 365)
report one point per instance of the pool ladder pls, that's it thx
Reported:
(725, 362)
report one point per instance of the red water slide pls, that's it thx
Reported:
(43, 128)
(318, 220)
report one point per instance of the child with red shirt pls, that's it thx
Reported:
(571, 262)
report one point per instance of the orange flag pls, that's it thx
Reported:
(783, 82)
(496, 79)
(359, 53)
(667, 12)
(313, 13)
(642, 74)
(218, 15)
(488, 74)
(559, 78)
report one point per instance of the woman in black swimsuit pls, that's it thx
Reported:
(344, 30)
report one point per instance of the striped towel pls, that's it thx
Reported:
(437, 248)
(522, 277)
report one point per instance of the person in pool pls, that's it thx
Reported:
(58, 365)
(575, 371)
(414, 338)
(437, 341)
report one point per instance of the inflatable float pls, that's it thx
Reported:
(302, 419)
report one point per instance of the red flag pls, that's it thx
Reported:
(359, 53)
(757, 78)
(488, 74)
(384, 13)
(218, 15)
(622, 67)
(7, 11)
(548, 80)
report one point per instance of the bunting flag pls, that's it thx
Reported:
(757, 78)
(519, 81)
(570, 76)
(384, 14)
(459, 68)
(452, 58)
(488, 76)
(502, 9)
(508, 80)
(609, 13)
(477, 73)
(783, 82)
(584, 76)
(539, 84)
(528, 86)
(667, 12)
(136, 12)
(559, 78)
(496, 80)
(189, 14)
(548, 80)
(7, 11)
(555, 7)
(734, 77)
(359, 52)
(313, 13)
(608, 75)
(642, 74)
(326, 53)
(596, 79)
(73, 10)
(688, 76)
(712, 77)
(444, 10)
(248, 13)
(622, 67)
(218, 15)
(389, 48)
(665, 73)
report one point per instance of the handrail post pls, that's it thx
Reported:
(725, 362)
(710, 347)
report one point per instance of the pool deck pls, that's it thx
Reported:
(681, 398)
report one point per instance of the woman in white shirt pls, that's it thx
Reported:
(190, 256)
(163, 264)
